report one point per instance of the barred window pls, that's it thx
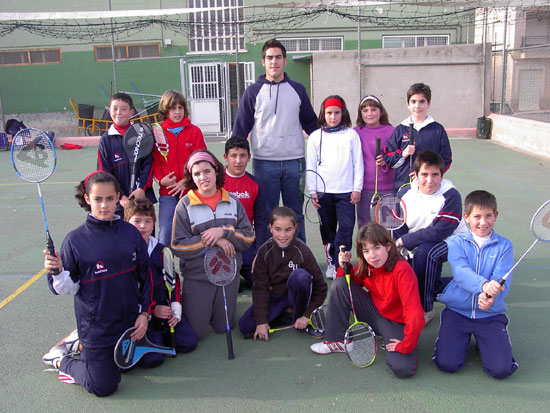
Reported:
(389, 42)
(128, 51)
(312, 44)
(30, 57)
(216, 31)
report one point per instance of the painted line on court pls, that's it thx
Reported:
(41, 183)
(22, 288)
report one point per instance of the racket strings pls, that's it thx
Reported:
(360, 344)
(220, 269)
(390, 212)
(311, 181)
(318, 318)
(33, 155)
(540, 224)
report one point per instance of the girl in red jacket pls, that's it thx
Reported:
(183, 139)
(390, 304)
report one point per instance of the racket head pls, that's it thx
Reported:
(391, 212)
(33, 155)
(373, 202)
(219, 268)
(540, 223)
(127, 352)
(168, 268)
(317, 319)
(160, 139)
(311, 181)
(138, 141)
(360, 344)
(311, 212)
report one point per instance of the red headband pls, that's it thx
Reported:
(88, 177)
(200, 157)
(333, 102)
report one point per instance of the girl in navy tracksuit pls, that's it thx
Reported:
(104, 264)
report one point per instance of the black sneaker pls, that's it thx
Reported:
(318, 334)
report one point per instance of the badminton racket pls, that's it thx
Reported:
(128, 352)
(311, 213)
(316, 321)
(375, 197)
(220, 270)
(170, 277)
(359, 340)
(33, 158)
(138, 144)
(540, 227)
(312, 185)
(403, 188)
(160, 140)
(391, 212)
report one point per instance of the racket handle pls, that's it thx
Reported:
(501, 282)
(377, 148)
(173, 336)
(230, 354)
(51, 250)
(347, 266)
(411, 133)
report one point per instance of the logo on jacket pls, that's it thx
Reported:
(117, 157)
(292, 265)
(241, 195)
(99, 268)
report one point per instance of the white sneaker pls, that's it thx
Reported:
(331, 272)
(71, 343)
(54, 356)
(327, 347)
(429, 316)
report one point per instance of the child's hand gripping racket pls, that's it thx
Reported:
(128, 352)
(540, 227)
(375, 197)
(33, 158)
(221, 270)
(359, 340)
(403, 188)
(138, 144)
(170, 277)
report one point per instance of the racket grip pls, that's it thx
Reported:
(377, 148)
(501, 282)
(230, 354)
(347, 266)
(411, 133)
(51, 250)
(173, 336)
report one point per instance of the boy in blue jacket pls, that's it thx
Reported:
(474, 298)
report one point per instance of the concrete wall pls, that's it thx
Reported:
(529, 135)
(454, 73)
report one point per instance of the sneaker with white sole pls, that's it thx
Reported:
(71, 343)
(330, 272)
(54, 356)
(313, 332)
(327, 347)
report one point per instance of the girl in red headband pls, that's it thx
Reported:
(208, 215)
(334, 152)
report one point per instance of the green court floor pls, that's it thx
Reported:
(282, 374)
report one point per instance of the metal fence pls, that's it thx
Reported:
(520, 80)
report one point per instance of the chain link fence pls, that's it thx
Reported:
(520, 80)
